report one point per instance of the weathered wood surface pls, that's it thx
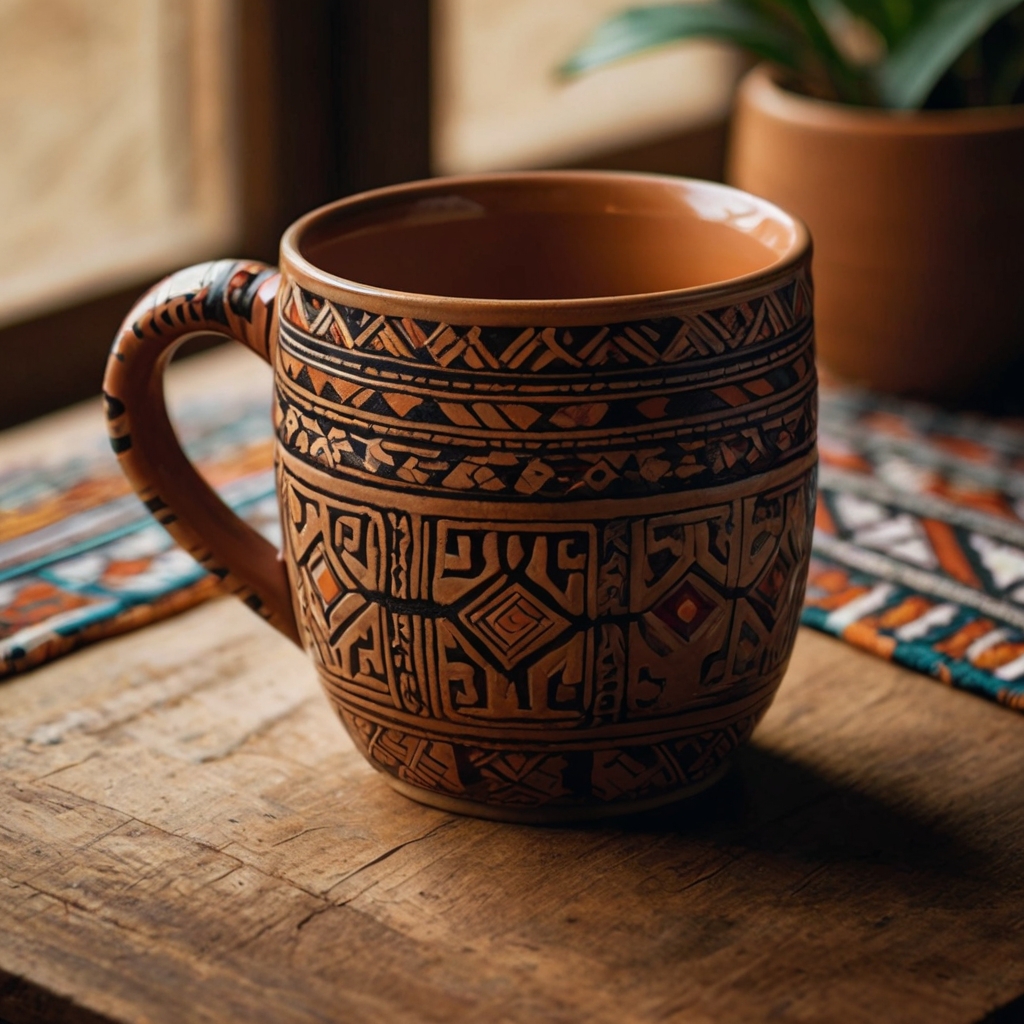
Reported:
(187, 835)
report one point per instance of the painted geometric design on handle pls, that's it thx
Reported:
(230, 297)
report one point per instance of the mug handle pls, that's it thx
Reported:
(234, 298)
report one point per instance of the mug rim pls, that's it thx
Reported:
(536, 312)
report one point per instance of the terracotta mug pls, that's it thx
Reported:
(545, 461)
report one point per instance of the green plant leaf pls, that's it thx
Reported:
(892, 18)
(818, 50)
(644, 28)
(857, 38)
(912, 70)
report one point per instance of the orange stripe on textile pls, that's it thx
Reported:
(956, 645)
(949, 553)
(864, 634)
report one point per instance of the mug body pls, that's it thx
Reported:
(546, 450)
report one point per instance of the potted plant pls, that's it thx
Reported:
(895, 128)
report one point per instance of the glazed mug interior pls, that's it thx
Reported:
(539, 238)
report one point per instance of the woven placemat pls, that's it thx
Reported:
(918, 555)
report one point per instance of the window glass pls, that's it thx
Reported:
(498, 103)
(116, 162)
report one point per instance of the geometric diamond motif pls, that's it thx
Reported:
(775, 579)
(512, 622)
(685, 610)
(325, 581)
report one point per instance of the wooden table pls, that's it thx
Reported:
(186, 834)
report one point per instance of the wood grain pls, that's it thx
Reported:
(185, 833)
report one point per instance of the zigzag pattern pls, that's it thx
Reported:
(710, 398)
(645, 343)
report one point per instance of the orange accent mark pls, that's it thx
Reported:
(126, 568)
(653, 408)
(906, 611)
(761, 388)
(732, 395)
(830, 579)
(865, 635)
(956, 645)
(888, 423)
(844, 597)
(998, 655)
(984, 500)
(521, 415)
(686, 610)
(317, 377)
(414, 333)
(401, 402)
(949, 553)
(327, 585)
(843, 459)
(823, 518)
(37, 602)
(962, 447)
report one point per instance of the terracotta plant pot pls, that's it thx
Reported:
(918, 228)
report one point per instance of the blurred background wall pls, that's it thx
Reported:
(118, 147)
(497, 102)
(142, 135)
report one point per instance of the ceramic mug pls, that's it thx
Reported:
(545, 461)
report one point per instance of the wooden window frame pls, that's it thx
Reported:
(333, 97)
(315, 81)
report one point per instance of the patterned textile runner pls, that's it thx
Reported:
(918, 554)
(80, 556)
(919, 540)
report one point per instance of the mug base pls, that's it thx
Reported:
(551, 815)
